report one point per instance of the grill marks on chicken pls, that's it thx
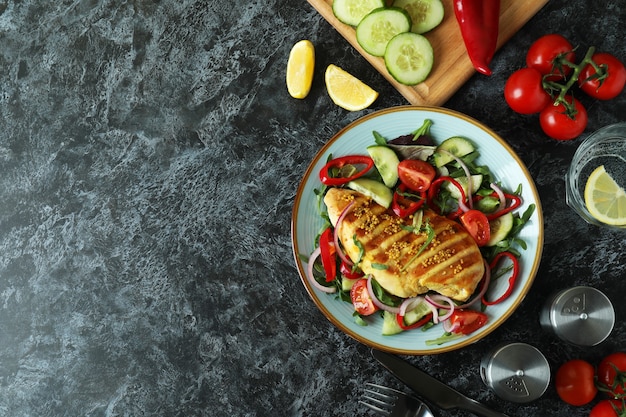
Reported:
(399, 256)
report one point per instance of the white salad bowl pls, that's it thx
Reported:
(507, 169)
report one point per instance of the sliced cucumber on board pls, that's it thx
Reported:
(425, 14)
(409, 58)
(376, 29)
(351, 12)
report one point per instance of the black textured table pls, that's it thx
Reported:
(149, 159)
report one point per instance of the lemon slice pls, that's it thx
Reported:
(604, 198)
(300, 69)
(347, 91)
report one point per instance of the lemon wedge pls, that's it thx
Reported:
(347, 91)
(300, 69)
(604, 198)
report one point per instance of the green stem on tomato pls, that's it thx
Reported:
(563, 89)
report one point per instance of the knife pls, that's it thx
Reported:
(431, 389)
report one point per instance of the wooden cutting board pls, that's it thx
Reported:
(452, 67)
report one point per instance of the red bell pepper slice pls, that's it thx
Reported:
(346, 271)
(419, 323)
(479, 23)
(512, 278)
(516, 201)
(403, 206)
(325, 172)
(434, 190)
(327, 252)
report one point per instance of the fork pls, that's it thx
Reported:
(389, 402)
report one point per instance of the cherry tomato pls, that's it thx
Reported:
(612, 374)
(556, 123)
(608, 87)
(467, 321)
(608, 408)
(524, 92)
(361, 299)
(477, 225)
(574, 382)
(416, 174)
(544, 51)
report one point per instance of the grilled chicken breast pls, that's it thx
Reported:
(388, 247)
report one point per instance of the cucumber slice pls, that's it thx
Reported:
(455, 145)
(416, 314)
(425, 14)
(376, 29)
(500, 228)
(351, 12)
(386, 162)
(347, 283)
(377, 191)
(390, 325)
(455, 193)
(409, 58)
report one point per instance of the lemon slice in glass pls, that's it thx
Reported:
(604, 198)
(300, 69)
(347, 91)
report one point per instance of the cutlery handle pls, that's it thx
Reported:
(480, 410)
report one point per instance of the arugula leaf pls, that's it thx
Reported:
(379, 139)
(361, 249)
(423, 130)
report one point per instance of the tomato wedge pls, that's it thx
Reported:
(477, 225)
(361, 298)
(416, 174)
(467, 321)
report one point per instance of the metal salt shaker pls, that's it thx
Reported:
(516, 372)
(582, 316)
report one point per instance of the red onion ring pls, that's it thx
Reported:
(309, 273)
(409, 304)
(467, 174)
(376, 301)
(435, 300)
(449, 327)
(500, 194)
(338, 247)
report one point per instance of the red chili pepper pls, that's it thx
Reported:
(434, 189)
(419, 323)
(325, 172)
(327, 249)
(479, 21)
(403, 206)
(512, 278)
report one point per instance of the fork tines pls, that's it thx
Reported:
(377, 401)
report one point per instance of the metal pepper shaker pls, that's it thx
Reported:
(516, 372)
(582, 316)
